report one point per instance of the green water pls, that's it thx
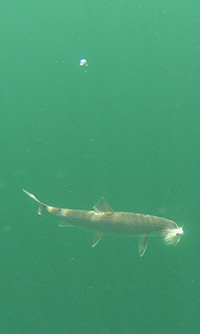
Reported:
(127, 129)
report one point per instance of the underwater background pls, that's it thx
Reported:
(127, 127)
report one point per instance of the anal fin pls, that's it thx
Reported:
(41, 210)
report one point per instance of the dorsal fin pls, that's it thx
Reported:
(103, 206)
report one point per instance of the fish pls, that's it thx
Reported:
(103, 220)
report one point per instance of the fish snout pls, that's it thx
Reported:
(179, 231)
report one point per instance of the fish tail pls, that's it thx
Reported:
(172, 236)
(42, 206)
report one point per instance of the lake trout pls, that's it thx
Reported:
(103, 220)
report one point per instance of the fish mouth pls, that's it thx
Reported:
(179, 231)
(173, 236)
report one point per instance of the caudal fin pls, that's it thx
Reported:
(42, 206)
(172, 236)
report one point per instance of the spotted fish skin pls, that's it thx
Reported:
(103, 220)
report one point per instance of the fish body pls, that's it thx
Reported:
(103, 220)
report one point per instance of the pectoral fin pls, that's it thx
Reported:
(96, 238)
(143, 244)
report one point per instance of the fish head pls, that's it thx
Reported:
(173, 236)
